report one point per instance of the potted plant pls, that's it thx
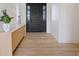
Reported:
(5, 19)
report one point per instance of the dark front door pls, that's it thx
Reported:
(36, 17)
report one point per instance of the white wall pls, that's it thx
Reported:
(49, 17)
(53, 15)
(11, 10)
(16, 10)
(69, 23)
(64, 25)
(55, 20)
(1, 8)
(21, 13)
(75, 24)
(22, 8)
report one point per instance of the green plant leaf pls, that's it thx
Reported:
(5, 18)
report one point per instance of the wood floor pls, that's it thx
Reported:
(42, 44)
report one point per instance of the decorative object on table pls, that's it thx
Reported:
(5, 19)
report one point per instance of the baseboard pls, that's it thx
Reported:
(55, 37)
(76, 42)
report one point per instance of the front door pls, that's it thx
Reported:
(36, 17)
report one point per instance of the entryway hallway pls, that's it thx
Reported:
(43, 44)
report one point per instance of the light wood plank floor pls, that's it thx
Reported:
(42, 44)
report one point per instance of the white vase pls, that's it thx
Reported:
(6, 27)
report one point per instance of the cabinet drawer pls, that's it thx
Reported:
(17, 36)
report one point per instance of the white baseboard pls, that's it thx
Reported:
(73, 41)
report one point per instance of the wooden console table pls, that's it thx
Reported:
(10, 40)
